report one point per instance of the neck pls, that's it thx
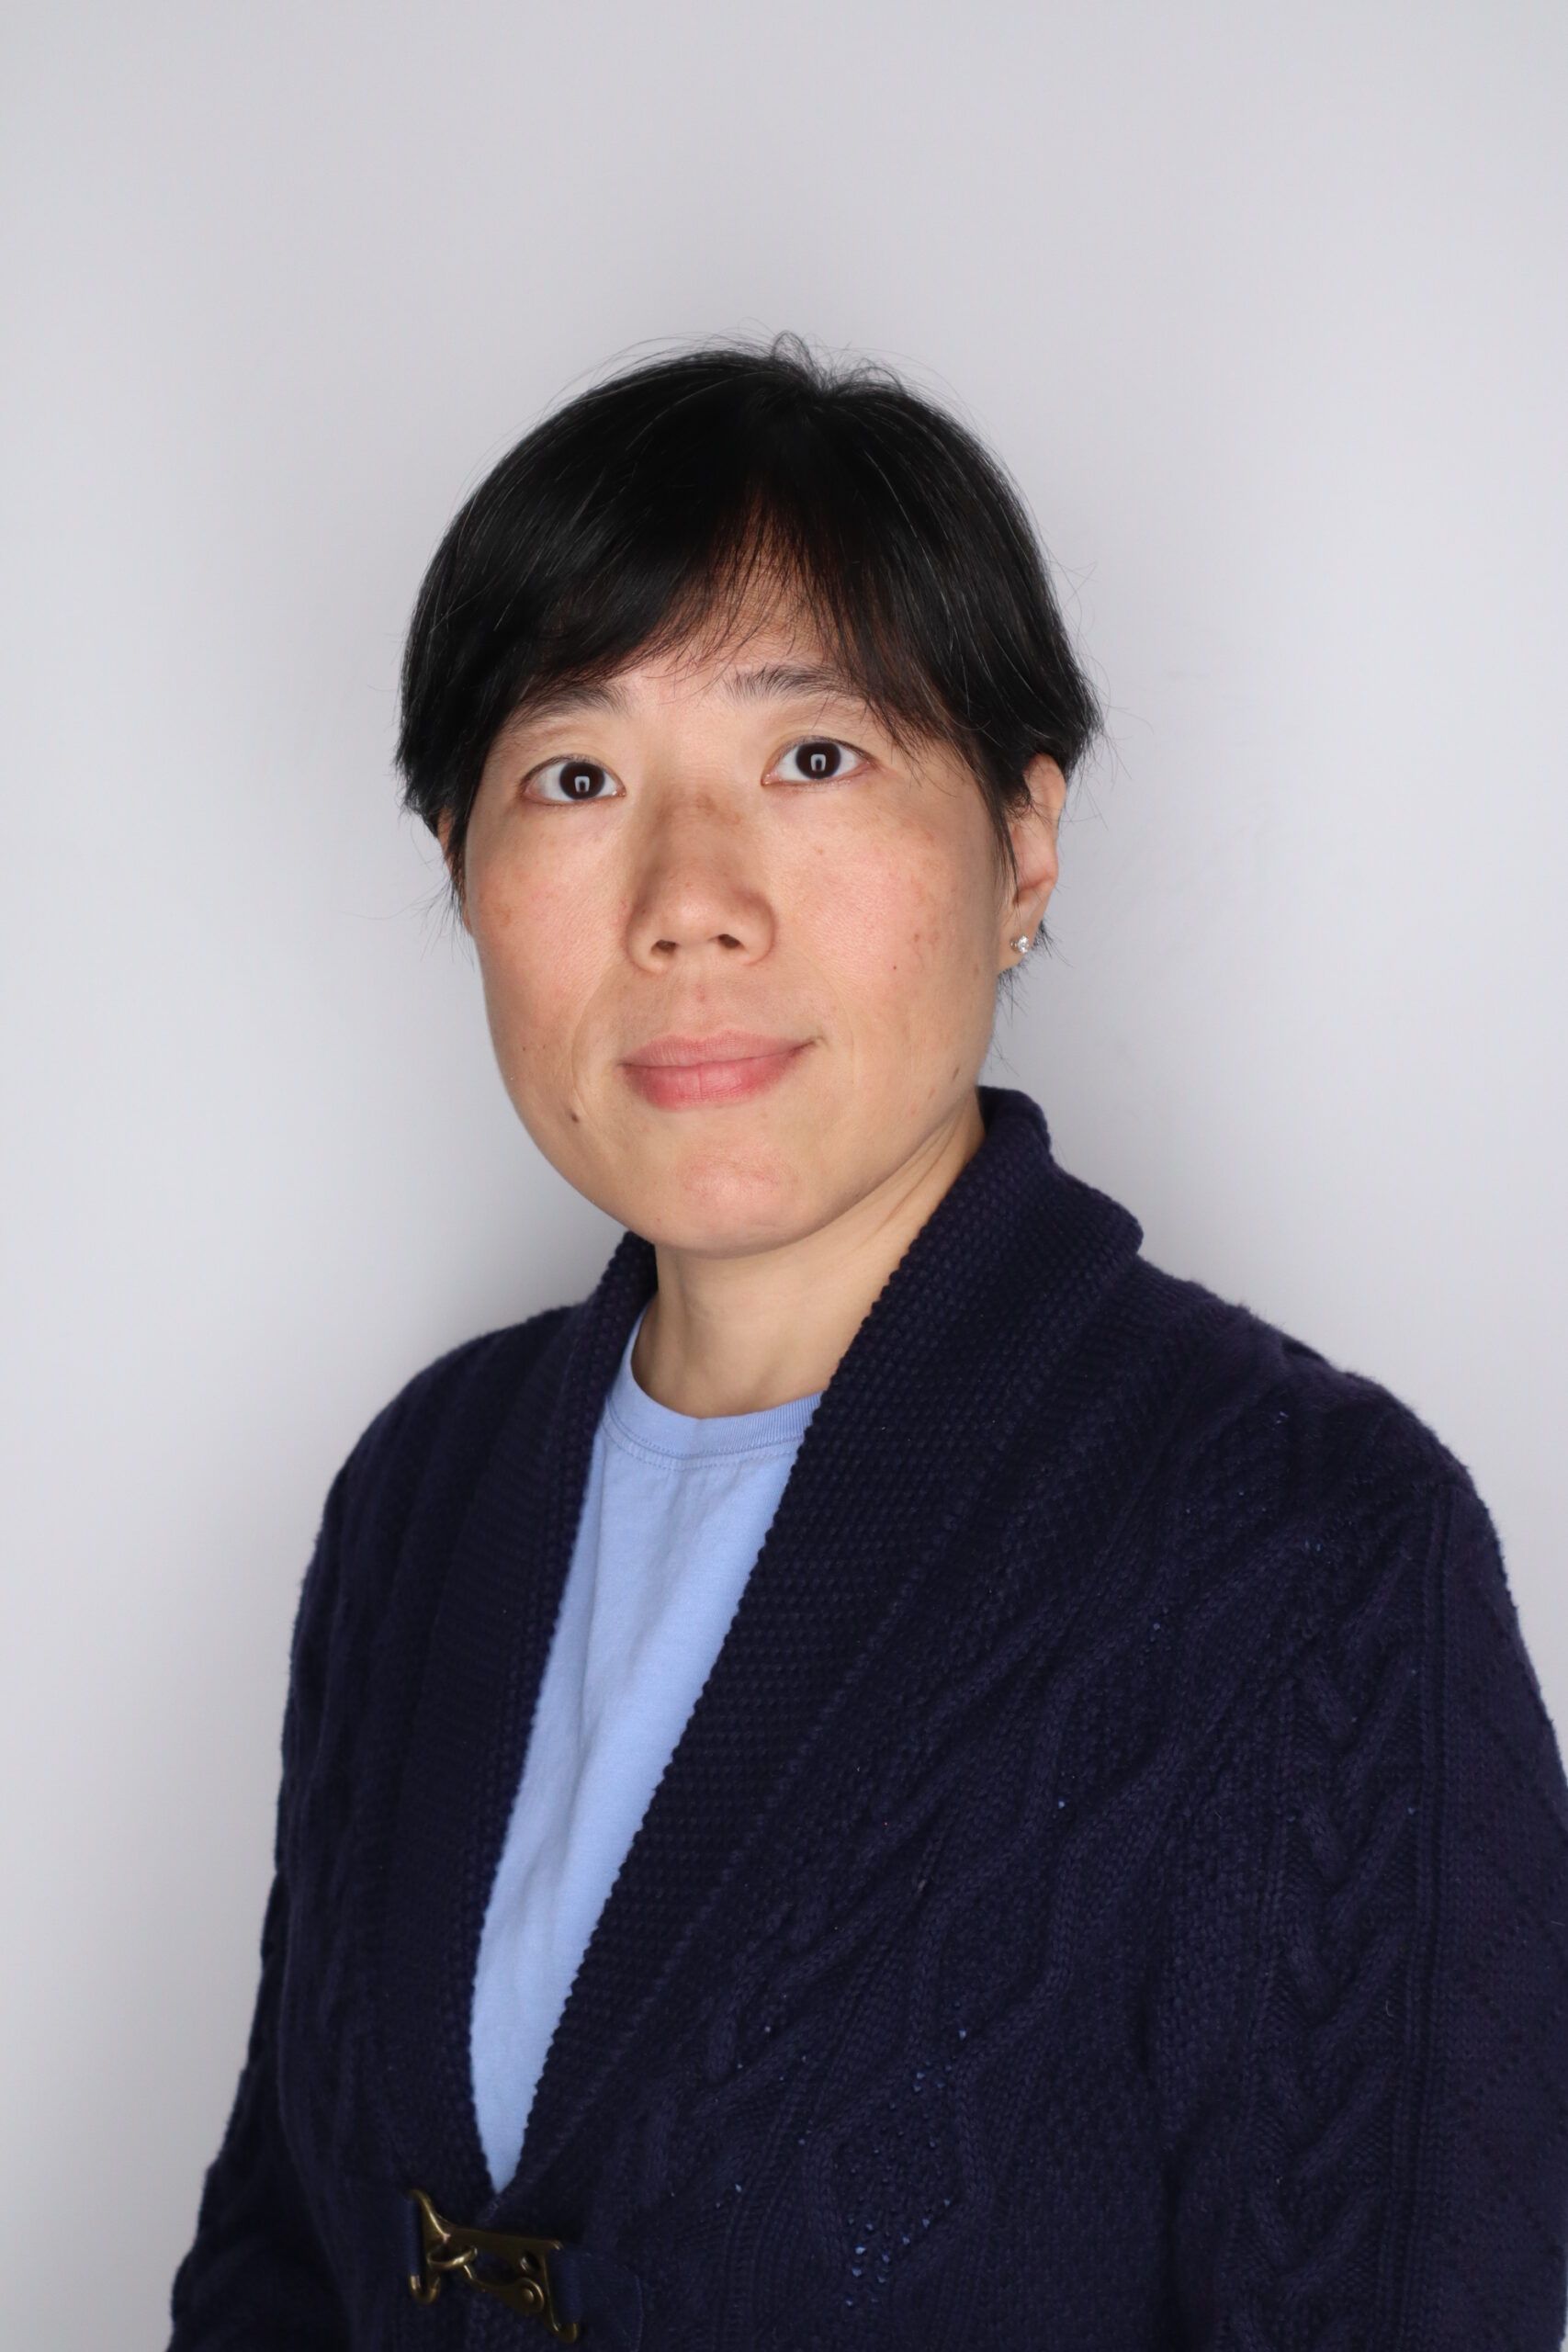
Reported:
(738, 1334)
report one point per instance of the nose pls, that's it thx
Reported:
(701, 897)
(688, 930)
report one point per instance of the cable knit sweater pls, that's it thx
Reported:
(1111, 1894)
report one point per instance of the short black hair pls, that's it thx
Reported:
(638, 513)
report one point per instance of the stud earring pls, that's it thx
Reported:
(1023, 944)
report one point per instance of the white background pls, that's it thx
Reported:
(1264, 307)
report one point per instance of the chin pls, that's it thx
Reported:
(728, 1201)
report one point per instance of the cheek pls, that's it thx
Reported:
(523, 937)
(910, 927)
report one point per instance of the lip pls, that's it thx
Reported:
(685, 1052)
(727, 1066)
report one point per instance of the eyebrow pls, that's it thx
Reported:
(772, 682)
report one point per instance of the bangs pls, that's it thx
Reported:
(764, 566)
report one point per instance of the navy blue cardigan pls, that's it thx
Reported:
(1112, 1892)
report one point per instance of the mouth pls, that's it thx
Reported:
(678, 1073)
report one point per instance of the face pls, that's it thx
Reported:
(727, 841)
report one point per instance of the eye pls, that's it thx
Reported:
(821, 759)
(577, 779)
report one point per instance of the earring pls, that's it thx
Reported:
(1023, 944)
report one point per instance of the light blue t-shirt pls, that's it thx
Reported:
(673, 1516)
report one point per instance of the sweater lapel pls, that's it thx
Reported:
(990, 1296)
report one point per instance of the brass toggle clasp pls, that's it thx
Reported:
(514, 2269)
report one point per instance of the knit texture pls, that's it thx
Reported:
(1111, 1891)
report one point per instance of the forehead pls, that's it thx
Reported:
(735, 684)
(769, 657)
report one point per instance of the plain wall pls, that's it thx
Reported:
(1264, 309)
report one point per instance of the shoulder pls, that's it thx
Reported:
(1265, 1412)
(407, 1480)
(1334, 1595)
(1304, 1495)
(440, 1421)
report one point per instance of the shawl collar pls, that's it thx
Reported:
(989, 1298)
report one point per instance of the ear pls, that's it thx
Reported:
(1033, 831)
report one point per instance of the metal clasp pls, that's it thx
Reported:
(514, 2269)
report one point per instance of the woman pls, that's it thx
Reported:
(897, 1775)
